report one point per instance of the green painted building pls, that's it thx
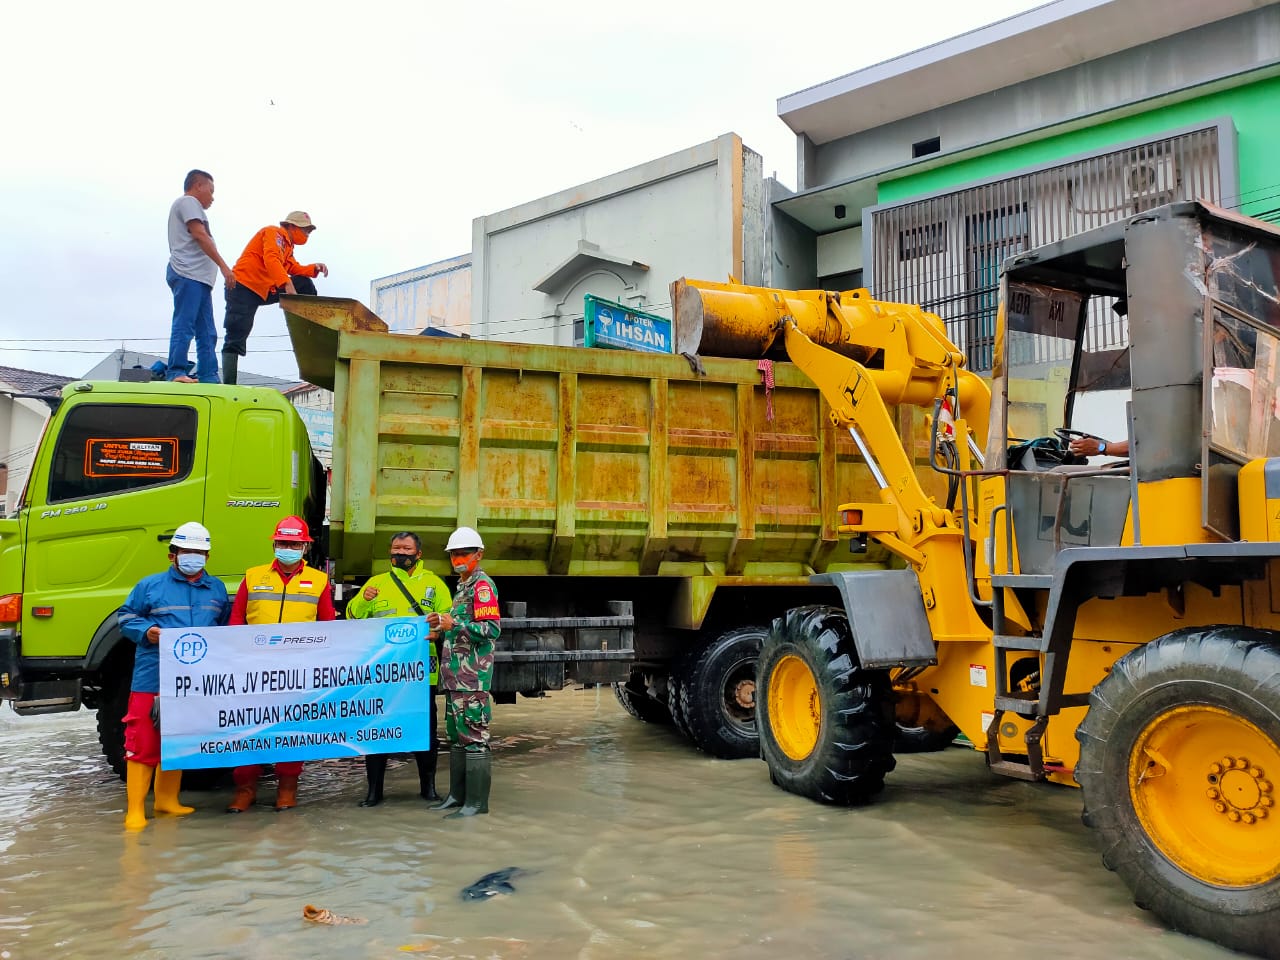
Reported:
(918, 177)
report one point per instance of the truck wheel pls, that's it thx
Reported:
(113, 704)
(720, 695)
(1180, 770)
(640, 705)
(677, 695)
(826, 724)
(922, 739)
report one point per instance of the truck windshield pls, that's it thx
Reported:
(1042, 328)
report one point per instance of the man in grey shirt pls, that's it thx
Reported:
(194, 263)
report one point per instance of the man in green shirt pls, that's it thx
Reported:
(406, 590)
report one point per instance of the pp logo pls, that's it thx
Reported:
(260, 640)
(190, 648)
(401, 632)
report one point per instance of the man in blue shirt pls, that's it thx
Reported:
(182, 596)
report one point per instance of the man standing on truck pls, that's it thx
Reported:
(194, 263)
(283, 591)
(182, 596)
(469, 631)
(265, 270)
(406, 590)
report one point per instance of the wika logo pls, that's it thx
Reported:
(401, 632)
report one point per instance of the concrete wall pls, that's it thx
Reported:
(437, 295)
(625, 237)
(791, 250)
(1216, 51)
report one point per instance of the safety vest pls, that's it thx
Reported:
(271, 600)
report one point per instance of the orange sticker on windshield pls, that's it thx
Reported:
(131, 457)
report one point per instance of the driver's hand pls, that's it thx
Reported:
(1084, 447)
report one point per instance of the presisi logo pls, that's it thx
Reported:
(253, 503)
(283, 640)
(401, 632)
(190, 648)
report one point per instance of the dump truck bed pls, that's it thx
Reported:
(570, 460)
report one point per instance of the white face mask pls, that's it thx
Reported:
(189, 564)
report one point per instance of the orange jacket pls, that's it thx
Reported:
(267, 262)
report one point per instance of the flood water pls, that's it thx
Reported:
(635, 845)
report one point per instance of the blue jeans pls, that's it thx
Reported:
(192, 317)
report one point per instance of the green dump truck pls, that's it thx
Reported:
(645, 517)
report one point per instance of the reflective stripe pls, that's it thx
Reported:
(171, 607)
(300, 598)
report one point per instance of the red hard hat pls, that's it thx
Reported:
(292, 528)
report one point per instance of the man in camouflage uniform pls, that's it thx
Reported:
(469, 631)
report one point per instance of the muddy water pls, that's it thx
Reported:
(636, 845)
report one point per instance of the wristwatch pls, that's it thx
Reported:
(1102, 446)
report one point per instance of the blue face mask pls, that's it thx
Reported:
(190, 564)
(288, 555)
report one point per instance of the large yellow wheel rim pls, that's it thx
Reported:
(1203, 782)
(795, 708)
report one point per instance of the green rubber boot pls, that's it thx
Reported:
(479, 777)
(457, 780)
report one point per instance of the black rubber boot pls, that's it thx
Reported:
(427, 760)
(457, 780)
(478, 780)
(375, 769)
(230, 362)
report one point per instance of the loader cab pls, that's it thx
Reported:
(1117, 332)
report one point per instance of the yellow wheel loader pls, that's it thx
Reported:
(1093, 621)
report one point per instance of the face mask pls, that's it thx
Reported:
(298, 236)
(190, 563)
(465, 566)
(404, 561)
(288, 556)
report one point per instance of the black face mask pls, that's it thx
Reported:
(403, 561)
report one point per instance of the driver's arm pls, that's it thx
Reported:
(1092, 446)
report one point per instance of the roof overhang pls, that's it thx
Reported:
(1041, 41)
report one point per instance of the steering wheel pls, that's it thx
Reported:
(1066, 435)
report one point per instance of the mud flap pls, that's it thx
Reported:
(886, 616)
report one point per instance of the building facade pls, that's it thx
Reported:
(918, 177)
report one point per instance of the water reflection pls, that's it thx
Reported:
(636, 845)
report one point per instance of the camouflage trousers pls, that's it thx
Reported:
(466, 718)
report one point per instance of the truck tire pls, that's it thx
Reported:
(113, 704)
(640, 705)
(718, 695)
(677, 697)
(826, 724)
(923, 739)
(1200, 849)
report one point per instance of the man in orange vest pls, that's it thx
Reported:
(265, 270)
(283, 591)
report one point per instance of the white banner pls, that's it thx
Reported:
(231, 696)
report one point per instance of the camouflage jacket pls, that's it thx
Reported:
(467, 659)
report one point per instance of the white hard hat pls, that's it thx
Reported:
(464, 538)
(191, 536)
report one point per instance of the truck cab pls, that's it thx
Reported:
(119, 467)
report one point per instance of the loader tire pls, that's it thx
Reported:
(640, 705)
(1180, 770)
(923, 739)
(718, 695)
(826, 724)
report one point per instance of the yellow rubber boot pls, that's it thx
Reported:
(137, 785)
(168, 783)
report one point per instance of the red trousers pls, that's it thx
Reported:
(141, 738)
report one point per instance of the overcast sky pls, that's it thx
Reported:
(393, 124)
